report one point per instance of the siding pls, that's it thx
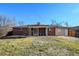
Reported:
(71, 32)
(61, 32)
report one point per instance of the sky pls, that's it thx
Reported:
(31, 13)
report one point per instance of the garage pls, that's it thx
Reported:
(72, 32)
(61, 31)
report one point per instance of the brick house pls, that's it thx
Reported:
(43, 30)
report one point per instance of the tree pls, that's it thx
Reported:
(13, 21)
(62, 23)
(5, 25)
(21, 23)
(66, 23)
(55, 23)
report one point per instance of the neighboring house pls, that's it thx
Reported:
(43, 30)
(76, 28)
(72, 32)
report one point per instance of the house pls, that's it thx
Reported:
(76, 28)
(72, 32)
(43, 30)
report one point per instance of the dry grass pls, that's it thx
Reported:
(43, 45)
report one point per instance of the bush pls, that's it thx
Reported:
(5, 25)
(4, 30)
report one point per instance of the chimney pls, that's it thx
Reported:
(38, 23)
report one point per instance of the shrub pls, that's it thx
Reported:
(4, 30)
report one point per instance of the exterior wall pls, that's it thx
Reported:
(71, 32)
(42, 31)
(61, 32)
(51, 31)
(46, 31)
(20, 31)
(77, 33)
(34, 31)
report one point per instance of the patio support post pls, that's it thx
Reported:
(29, 31)
(46, 31)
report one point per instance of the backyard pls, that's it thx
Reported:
(40, 46)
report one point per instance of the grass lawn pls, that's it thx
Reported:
(40, 46)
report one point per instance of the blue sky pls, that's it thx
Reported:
(30, 13)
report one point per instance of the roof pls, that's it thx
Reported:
(31, 26)
(75, 27)
(37, 26)
(59, 26)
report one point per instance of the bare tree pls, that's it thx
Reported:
(66, 23)
(21, 23)
(5, 25)
(55, 23)
(13, 21)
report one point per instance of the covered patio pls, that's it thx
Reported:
(38, 30)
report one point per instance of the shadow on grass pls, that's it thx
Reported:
(13, 37)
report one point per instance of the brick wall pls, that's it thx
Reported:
(71, 32)
(51, 31)
(20, 31)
